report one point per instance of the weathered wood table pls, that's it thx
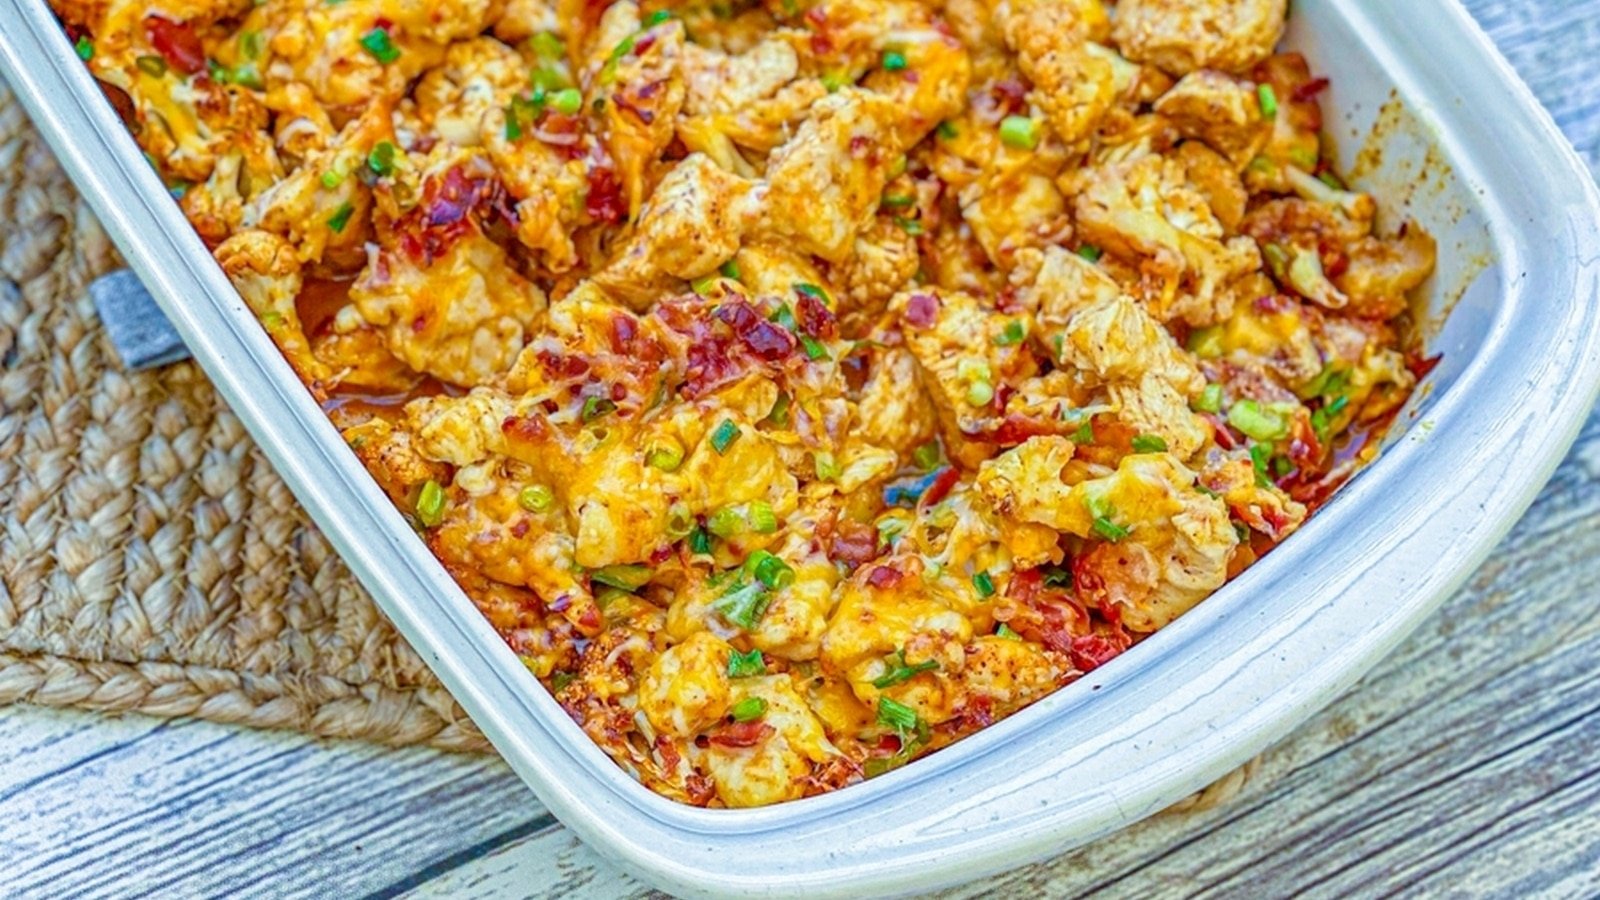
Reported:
(1466, 764)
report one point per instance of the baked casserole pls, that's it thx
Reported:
(796, 387)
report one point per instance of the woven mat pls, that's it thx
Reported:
(151, 561)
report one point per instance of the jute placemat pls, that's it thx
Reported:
(150, 559)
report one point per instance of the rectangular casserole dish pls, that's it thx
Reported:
(1455, 141)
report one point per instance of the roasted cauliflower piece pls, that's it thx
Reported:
(1182, 36)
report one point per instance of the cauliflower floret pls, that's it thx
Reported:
(215, 207)
(825, 183)
(542, 179)
(1218, 181)
(937, 92)
(1382, 272)
(1181, 36)
(524, 18)
(1146, 211)
(872, 622)
(390, 454)
(265, 272)
(640, 90)
(694, 223)
(448, 299)
(1220, 110)
(718, 83)
(685, 690)
(893, 410)
(965, 352)
(1074, 80)
(1011, 206)
(769, 760)
(884, 259)
(476, 76)
(328, 225)
(1008, 673)
(792, 618)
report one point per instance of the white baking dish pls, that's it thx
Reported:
(1516, 215)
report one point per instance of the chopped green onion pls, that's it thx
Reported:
(1006, 631)
(1332, 181)
(430, 504)
(666, 456)
(378, 44)
(341, 216)
(1090, 252)
(513, 127)
(730, 269)
(779, 414)
(548, 45)
(624, 577)
(1282, 466)
(815, 349)
(152, 65)
(1210, 399)
(947, 130)
(332, 179)
(84, 48)
(272, 319)
(381, 159)
(979, 393)
(1322, 419)
(699, 541)
(657, 17)
(567, 101)
(722, 438)
(680, 522)
(1260, 455)
(1019, 132)
(1277, 259)
(1258, 422)
(899, 672)
(833, 81)
(912, 227)
(784, 316)
(595, 407)
(927, 456)
(1269, 101)
(749, 709)
(896, 715)
(893, 61)
(536, 498)
(770, 570)
(1109, 530)
(827, 468)
(898, 201)
(984, 583)
(560, 680)
(1206, 343)
(1014, 332)
(702, 286)
(1149, 443)
(727, 522)
(814, 292)
(745, 665)
(1058, 576)
(761, 517)
(1085, 432)
(744, 605)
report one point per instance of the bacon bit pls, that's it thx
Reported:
(643, 44)
(1274, 303)
(670, 758)
(979, 712)
(739, 734)
(452, 205)
(940, 488)
(853, 543)
(177, 43)
(767, 340)
(860, 145)
(623, 331)
(821, 44)
(884, 578)
(1224, 434)
(922, 310)
(1423, 366)
(661, 554)
(562, 365)
(817, 16)
(701, 789)
(1093, 651)
(419, 324)
(529, 429)
(520, 530)
(1308, 90)
(604, 202)
(815, 319)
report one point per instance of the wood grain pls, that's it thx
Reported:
(1468, 763)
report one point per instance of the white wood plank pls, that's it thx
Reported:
(195, 808)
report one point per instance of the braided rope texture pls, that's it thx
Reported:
(150, 559)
